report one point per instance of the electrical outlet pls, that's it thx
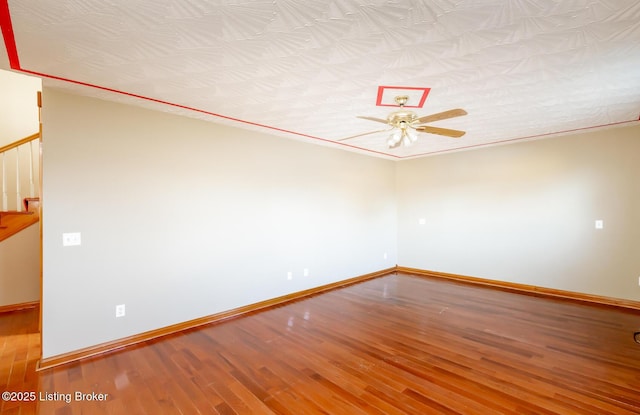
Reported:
(384, 256)
(422, 221)
(120, 310)
(305, 272)
(71, 239)
(289, 275)
(599, 224)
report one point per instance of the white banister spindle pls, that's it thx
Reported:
(18, 196)
(9, 155)
(32, 186)
(4, 184)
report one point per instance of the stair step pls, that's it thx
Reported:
(12, 222)
(14, 212)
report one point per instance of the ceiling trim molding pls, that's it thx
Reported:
(524, 138)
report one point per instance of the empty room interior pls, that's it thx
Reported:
(320, 207)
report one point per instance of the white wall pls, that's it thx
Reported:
(182, 218)
(525, 213)
(18, 106)
(20, 267)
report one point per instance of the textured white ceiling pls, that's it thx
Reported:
(306, 68)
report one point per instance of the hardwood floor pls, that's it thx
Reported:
(393, 345)
(19, 353)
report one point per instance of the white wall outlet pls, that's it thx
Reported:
(384, 256)
(305, 272)
(599, 224)
(422, 221)
(289, 275)
(71, 239)
(120, 310)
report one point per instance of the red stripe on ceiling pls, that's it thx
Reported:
(226, 117)
(424, 97)
(7, 34)
(12, 53)
(159, 101)
(379, 97)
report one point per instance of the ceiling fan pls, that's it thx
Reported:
(405, 123)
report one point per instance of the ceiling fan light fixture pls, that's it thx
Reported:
(394, 138)
(406, 141)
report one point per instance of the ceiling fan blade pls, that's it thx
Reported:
(374, 119)
(360, 135)
(441, 116)
(440, 131)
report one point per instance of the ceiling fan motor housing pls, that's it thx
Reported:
(396, 118)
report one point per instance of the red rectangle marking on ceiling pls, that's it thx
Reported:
(387, 94)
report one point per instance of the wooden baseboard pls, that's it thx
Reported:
(214, 318)
(17, 307)
(527, 289)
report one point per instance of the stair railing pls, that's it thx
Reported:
(15, 171)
